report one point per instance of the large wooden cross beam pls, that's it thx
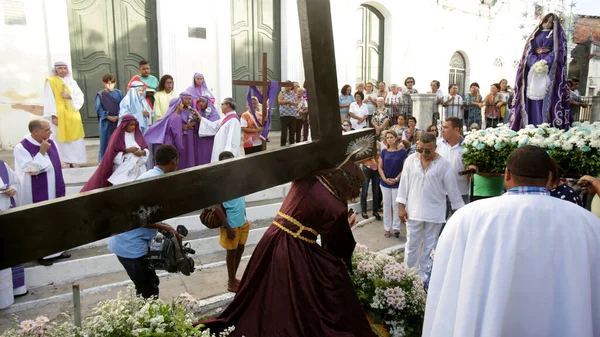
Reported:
(37, 230)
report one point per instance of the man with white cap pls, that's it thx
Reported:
(62, 100)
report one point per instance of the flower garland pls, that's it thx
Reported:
(390, 292)
(576, 151)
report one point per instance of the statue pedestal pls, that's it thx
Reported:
(423, 105)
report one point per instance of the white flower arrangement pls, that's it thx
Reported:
(576, 150)
(540, 67)
(127, 315)
(391, 293)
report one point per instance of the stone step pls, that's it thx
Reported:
(208, 283)
(94, 259)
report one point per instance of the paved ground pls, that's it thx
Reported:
(202, 284)
(92, 146)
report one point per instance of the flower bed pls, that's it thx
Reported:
(391, 293)
(127, 315)
(577, 151)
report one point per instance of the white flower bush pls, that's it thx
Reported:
(576, 150)
(127, 315)
(390, 292)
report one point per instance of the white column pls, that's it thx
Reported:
(57, 32)
(167, 39)
(292, 67)
(223, 25)
(423, 109)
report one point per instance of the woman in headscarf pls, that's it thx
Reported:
(204, 145)
(541, 87)
(199, 88)
(124, 159)
(169, 129)
(135, 104)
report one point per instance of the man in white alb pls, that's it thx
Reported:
(62, 100)
(521, 264)
(227, 130)
(426, 180)
(37, 165)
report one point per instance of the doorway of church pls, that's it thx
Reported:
(255, 28)
(109, 36)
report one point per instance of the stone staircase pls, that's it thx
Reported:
(101, 276)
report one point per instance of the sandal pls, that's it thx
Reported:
(397, 234)
(233, 290)
(364, 215)
(238, 282)
(377, 216)
(387, 235)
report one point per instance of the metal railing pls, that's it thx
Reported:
(584, 114)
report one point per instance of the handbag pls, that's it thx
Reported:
(210, 219)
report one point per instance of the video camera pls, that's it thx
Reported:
(167, 252)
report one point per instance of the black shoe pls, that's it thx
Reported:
(21, 295)
(46, 262)
(377, 216)
(364, 215)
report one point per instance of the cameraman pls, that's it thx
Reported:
(131, 247)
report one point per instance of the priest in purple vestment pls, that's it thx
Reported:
(37, 164)
(541, 88)
(169, 129)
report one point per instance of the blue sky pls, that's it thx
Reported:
(587, 7)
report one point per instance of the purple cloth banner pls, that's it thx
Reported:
(271, 91)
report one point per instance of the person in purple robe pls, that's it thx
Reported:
(169, 129)
(127, 143)
(189, 136)
(199, 88)
(205, 144)
(107, 108)
(541, 88)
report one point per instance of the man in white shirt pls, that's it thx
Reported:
(453, 102)
(450, 148)
(426, 180)
(227, 130)
(392, 101)
(521, 264)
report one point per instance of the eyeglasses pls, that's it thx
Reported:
(424, 151)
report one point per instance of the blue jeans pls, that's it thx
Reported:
(373, 177)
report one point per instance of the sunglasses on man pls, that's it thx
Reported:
(424, 151)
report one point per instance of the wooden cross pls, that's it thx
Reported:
(30, 232)
(264, 84)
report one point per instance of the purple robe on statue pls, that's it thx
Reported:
(204, 145)
(554, 109)
(168, 130)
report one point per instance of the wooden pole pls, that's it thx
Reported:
(77, 305)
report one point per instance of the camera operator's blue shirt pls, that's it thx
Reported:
(134, 243)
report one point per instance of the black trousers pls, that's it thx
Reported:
(373, 177)
(254, 149)
(145, 279)
(288, 130)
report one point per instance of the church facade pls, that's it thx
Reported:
(459, 41)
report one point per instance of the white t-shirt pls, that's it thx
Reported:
(454, 108)
(360, 111)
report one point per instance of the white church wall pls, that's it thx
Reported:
(181, 56)
(28, 53)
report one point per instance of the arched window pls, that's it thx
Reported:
(369, 45)
(458, 72)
